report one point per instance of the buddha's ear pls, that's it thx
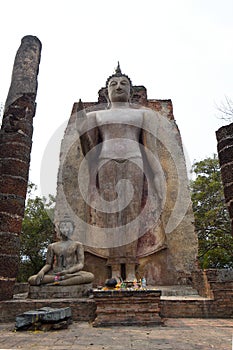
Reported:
(57, 231)
(105, 93)
(131, 93)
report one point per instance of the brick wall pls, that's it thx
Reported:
(219, 290)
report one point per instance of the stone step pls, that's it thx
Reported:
(48, 315)
(176, 290)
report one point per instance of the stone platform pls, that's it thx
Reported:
(177, 290)
(175, 301)
(61, 292)
(178, 334)
(126, 307)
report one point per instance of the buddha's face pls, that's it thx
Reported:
(119, 89)
(66, 228)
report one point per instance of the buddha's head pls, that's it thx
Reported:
(119, 86)
(66, 227)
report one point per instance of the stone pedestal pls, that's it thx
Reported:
(125, 307)
(55, 291)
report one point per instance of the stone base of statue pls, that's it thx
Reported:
(62, 292)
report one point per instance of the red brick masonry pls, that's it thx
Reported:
(125, 307)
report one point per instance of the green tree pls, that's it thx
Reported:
(211, 216)
(37, 232)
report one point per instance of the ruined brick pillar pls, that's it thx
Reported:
(15, 148)
(225, 152)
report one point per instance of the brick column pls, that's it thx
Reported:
(15, 148)
(225, 153)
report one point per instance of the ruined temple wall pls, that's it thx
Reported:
(174, 264)
(225, 153)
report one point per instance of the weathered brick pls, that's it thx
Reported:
(227, 173)
(228, 192)
(82, 309)
(10, 223)
(12, 204)
(15, 150)
(225, 156)
(9, 265)
(16, 138)
(230, 208)
(15, 143)
(127, 307)
(13, 185)
(225, 143)
(6, 292)
(9, 243)
(13, 167)
(224, 132)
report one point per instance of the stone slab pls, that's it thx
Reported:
(55, 291)
(43, 315)
(123, 293)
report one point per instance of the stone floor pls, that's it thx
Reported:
(177, 334)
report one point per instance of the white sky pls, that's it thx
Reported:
(178, 49)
